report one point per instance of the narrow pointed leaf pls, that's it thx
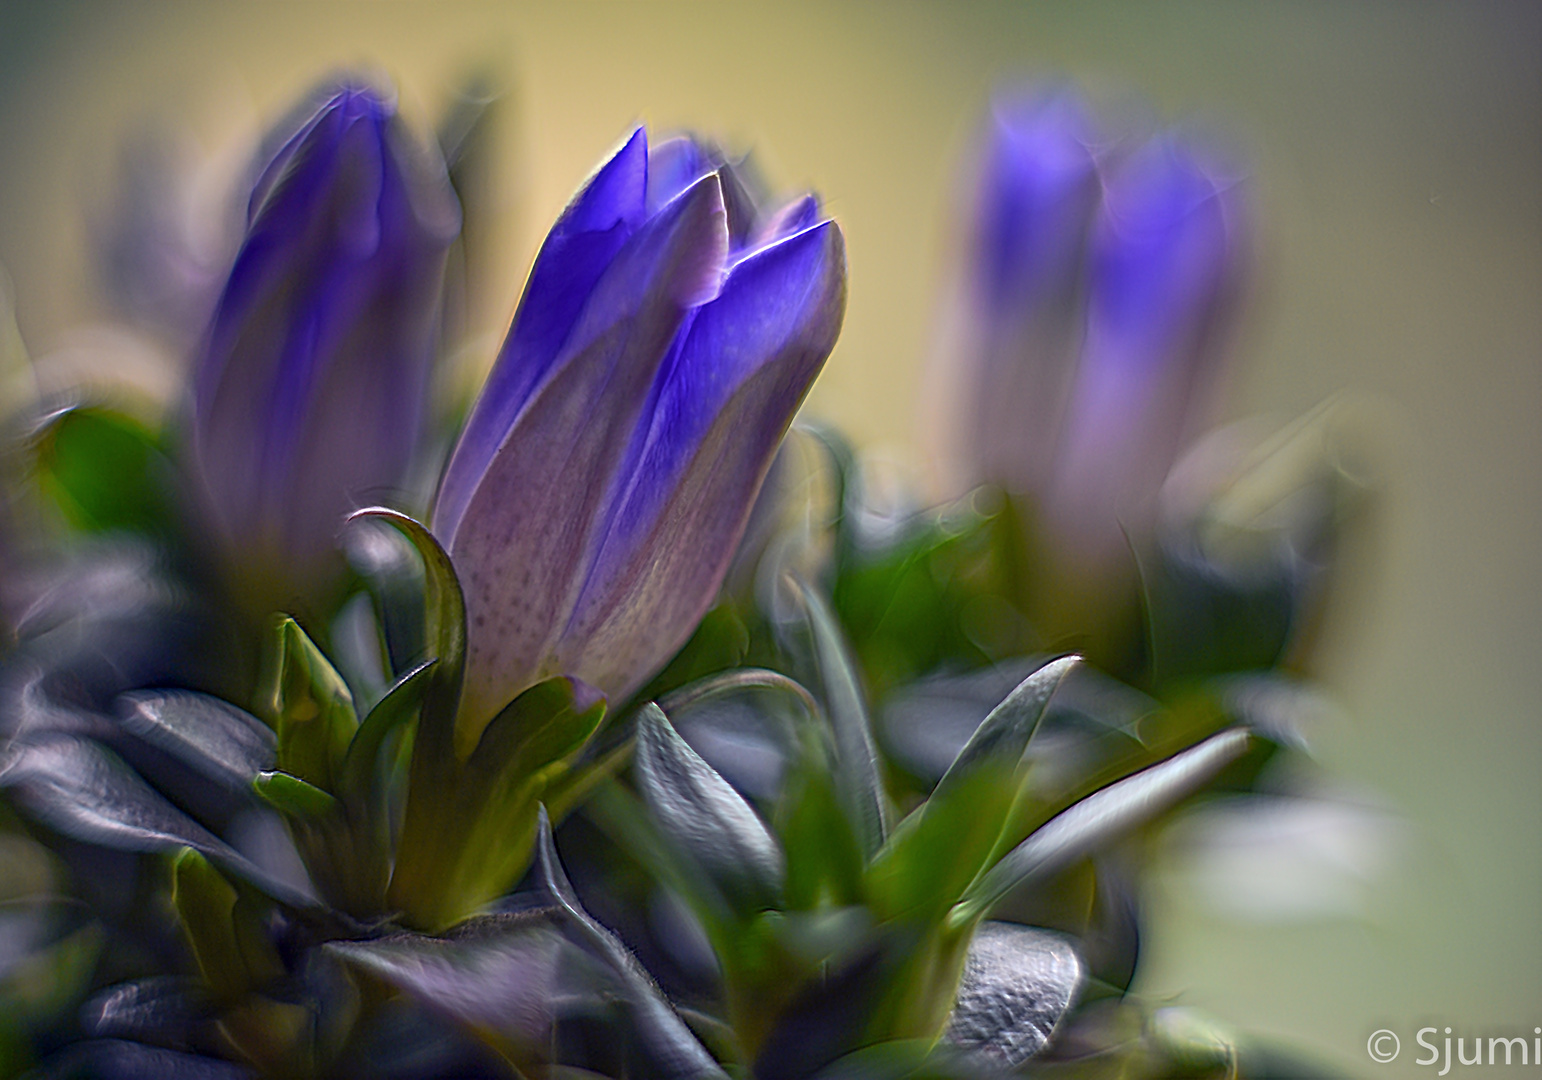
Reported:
(467, 842)
(397, 708)
(676, 1051)
(1004, 734)
(444, 615)
(1102, 818)
(231, 962)
(1018, 982)
(311, 708)
(934, 854)
(856, 767)
(703, 814)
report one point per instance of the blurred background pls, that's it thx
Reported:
(1395, 151)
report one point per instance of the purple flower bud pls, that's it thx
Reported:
(1164, 262)
(1097, 282)
(310, 390)
(667, 335)
(1020, 315)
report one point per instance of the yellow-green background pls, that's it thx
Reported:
(1397, 156)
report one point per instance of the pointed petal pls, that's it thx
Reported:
(530, 526)
(309, 389)
(599, 220)
(800, 214)
(741, 373)
(674, 165)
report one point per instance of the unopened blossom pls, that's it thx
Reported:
(309, 391)
(666, 337)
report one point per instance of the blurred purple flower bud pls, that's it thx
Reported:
(1163, 277)
(310, 389)
(1021, 317)
(667, 335)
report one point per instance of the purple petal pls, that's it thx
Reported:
(1038, 190)
(1038, 187)
(309, 392)
(799, 214)
(599, 220)
(529, 527)
(1165, 262)
(674, 165)
(735, 383)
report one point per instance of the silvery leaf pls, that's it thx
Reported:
(216, 738)
(676, 1052)
(1101, 818)
(1018, 982)
(704, 815)
(502, 973)
(84, 791)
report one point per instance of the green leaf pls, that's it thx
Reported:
(232, 954)
(361, 764)
(470, 841)
(294, 798)
(310, 708)
(1004, 734)
(703, 815)
(856, 767)
(1101, 818)
(910, 603)
(444, 633)
(107, 472)
(824, 859)
(939, 849)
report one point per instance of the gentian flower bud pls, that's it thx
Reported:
(310, 389)
(1019, 312)
(666, 337)
(1163, 276)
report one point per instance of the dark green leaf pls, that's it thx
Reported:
(702, 814)
(824, 860)
(107, 472)
(444, 633)
(465, 845)
(398, 708)
(936, 852)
